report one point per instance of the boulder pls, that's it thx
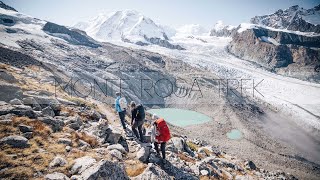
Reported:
(57, 161)
(30, 101)
(6, 121)
(9, 92)
(95, 115)
(75, 126)
(74, 122)
(15, 141)
(224, 162)
(178, 143)
(65, 141)
(143, 154)
(55, 124)
(204, 172)
(249, 165)
(15, 101)
(48, 112)
(24, 128)
(28, 135)
(83, 143)
(19, 110)
(118, 147)
(103, 170)
(152, 172)
(116, 154)
(56, 176)
(81, 164)
(45, 101)
(114, 136)
(68, 148)
(5, 75)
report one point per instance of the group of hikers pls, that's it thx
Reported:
(160, 133)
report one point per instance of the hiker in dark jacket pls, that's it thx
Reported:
(137, 119)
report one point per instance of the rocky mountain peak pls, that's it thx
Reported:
(294, 18)
(4, 6)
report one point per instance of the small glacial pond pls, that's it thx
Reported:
(234, 134)
(180, 117)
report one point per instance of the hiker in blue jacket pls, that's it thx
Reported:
(120, 106)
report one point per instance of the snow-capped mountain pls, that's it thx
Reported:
(128, 24)
(192, 29)
(294, 18)
(220, 29)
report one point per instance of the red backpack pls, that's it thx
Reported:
(163, 129)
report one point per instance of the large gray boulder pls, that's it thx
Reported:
(15, 141)
(81, 164)
(15, 101)
(114, 136)
(103, 170)
(9, 92)
(5, 75)
(56, 176)
(74, 122)
(19, 110)
(58, 161)
(45, 101)
(55, 124)
(118, 147)
(152, 172)
(178, 143)
(116, 154)
(143, 153)
(30, 101)
(48, 112)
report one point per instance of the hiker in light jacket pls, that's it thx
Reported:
(120, 104)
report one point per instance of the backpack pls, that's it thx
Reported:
(140, 112)
(164, 131)
(123, 103)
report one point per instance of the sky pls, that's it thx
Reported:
(174, 13)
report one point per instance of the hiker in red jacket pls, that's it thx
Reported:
(161, 134)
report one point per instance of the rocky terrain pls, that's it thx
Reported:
(286, 53)
(294, 18)
(52, 135)
(285, 42)
(57, 119)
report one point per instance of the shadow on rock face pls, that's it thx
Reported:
(172, 170)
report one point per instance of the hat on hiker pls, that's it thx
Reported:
(154, 117)
(132, 104)
(118, 93)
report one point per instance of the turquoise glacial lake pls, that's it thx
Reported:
(234, 134)
(180, 117)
